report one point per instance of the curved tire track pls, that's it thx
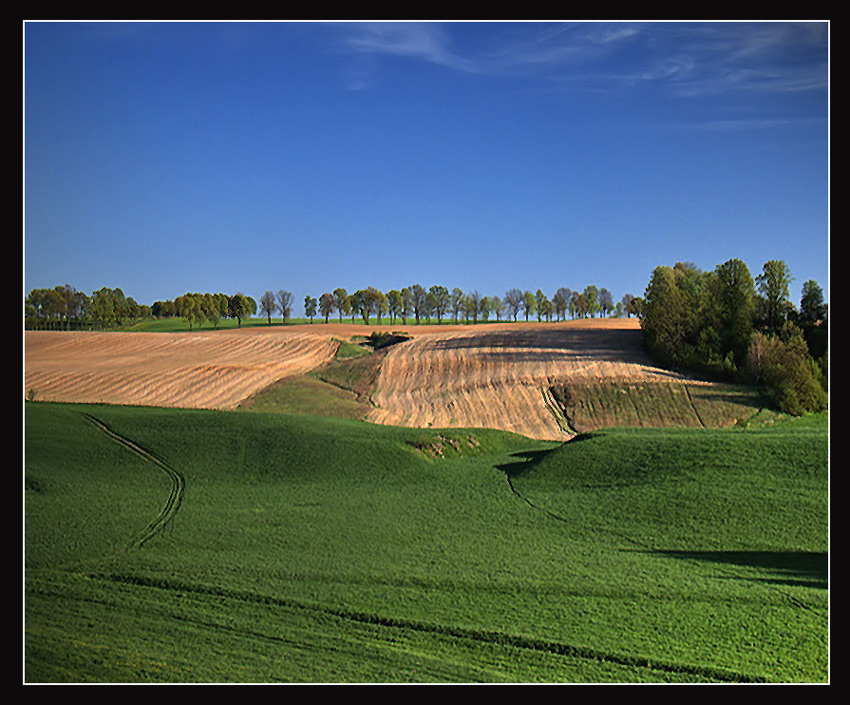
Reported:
(175, 495)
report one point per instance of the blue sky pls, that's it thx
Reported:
(165, 158)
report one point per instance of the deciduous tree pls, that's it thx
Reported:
(284, 304)
(497, 306)
(474, 305)
(310, 307)
(268, 304)
(395, 304)
(591, 299)
(418, 293)
(406, 304)
(456, 302)
(341, 302)
(326, 305)
(238, 307)
(773, 284)
(606, 301)
(664, 322)
(441, 301)
(513, 301)
(561, 301)
(733, 300)
(528, 303)
(361, 304)
(813, 320)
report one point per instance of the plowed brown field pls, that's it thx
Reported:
(499, 376)
(204, 370)
(494, 376)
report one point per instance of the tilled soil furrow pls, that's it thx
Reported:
(495, 375)
(202, 369)
(500, 378)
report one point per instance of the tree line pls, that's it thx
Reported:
(417, 304)
(198, 308)
(727, 324)
(65, 308)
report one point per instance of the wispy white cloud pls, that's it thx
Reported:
(689, 58)
(415, 40)
(772, 57)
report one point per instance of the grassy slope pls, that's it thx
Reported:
(340, 388)
(589, 406)
(724, 535)
(322, 550)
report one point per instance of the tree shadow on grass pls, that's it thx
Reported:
(527, 459)
(799, 568)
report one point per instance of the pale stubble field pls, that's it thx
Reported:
(497, 375)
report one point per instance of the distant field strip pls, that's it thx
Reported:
(207, 370)
(177, 489)
(490, 637)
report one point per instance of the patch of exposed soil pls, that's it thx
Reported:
(537, 379)
(208, 370)
(502, 376)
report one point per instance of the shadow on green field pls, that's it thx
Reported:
(529, 458)
(800, 568)
(526, 459)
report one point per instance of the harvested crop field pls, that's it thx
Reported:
(204, 370)
(502, 376)
(544, 381)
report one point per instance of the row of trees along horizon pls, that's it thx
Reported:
(65, 308)
(437, 302)
(725, 324)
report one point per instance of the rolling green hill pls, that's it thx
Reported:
(198, 546)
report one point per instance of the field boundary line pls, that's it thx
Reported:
(693, 406)
(480, 635)
(176, 492)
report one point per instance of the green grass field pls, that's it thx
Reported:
(200, 546)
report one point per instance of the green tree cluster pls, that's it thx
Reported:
(783, 365)
(198, 308)
(728, 325)
(65, 308)
(437, 302)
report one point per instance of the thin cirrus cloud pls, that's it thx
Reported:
(421, 41)
(690, 58)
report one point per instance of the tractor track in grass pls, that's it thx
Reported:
(483, 636)
(176, 491)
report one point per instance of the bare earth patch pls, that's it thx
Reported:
(204, 370)
(501, 376)
(541, 380)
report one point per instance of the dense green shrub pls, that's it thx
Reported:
(782, 365)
